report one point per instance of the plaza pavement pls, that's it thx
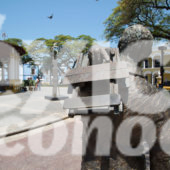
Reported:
(18, 111)
(29, 111)
(62, 158)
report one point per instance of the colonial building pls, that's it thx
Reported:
(151, 66)
(30, 71)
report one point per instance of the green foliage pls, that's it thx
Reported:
(62, 39)
(89, 42)
(154, 14)
(27, 59)
(29, 82)
(14, 41)
(50, 42)
(41, 39)
(59, 40)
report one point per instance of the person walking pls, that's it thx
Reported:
(38, 84)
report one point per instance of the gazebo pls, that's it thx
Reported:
(10, 61)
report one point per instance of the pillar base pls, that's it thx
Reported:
(56, 98)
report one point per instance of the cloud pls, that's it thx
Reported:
(103, 43)
(2, 19)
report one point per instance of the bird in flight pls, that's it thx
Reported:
(50, 17)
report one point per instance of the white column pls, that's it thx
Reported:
(7, 70)
(9, 76)
(3, 71)
(16, 67)
(152, 63)
(11, 67)
(144, 64)
(10, 70)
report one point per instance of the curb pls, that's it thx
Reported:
(30, 125)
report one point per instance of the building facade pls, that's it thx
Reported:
(30, 71)
(151, 66)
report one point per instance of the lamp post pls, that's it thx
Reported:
(55, 70)
(55, 51)
(162, 49)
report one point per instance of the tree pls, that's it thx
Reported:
(62, 39)
(50, 43)
(154, 14)
(27, 59)
(14, 41)
(37, 50)
(70, 49)
(89, 41)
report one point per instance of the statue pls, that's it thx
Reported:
(99, 55)
(134, 45)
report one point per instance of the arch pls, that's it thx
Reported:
(147, 72)
(155, 72)
(148, 76)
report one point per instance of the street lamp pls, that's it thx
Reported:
(162, 49)
(55, 51)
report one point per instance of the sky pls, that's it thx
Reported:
(28, 19)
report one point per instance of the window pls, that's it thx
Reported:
(146, 64)
(157, 63)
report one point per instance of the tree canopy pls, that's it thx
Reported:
(154, 14)
(89, 42)
(39, 50)
(61, 39)
(27, 59)
(70, 49)
(14, 41)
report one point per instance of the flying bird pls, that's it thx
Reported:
(50, 17)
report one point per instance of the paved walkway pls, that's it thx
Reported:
(23, 108)
(29, 110)
(30, 157)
